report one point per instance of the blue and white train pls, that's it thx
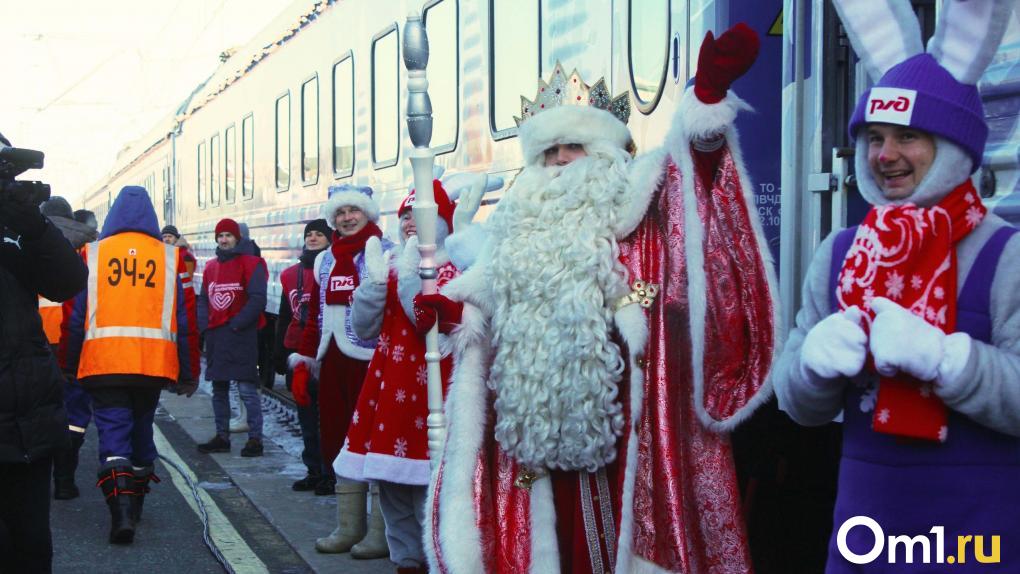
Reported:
(317, 98)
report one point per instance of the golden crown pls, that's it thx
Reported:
(563, 90)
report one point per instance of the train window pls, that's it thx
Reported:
(214, 170)
(385, 98)
(229, 151)
(649, 50)
(580, 36)
(310, 131)
(514, 65)
(247, 157)
(283, 142)
(343, 116)
(201, 175)
(444, 63)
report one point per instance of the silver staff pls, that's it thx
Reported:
(419, 127)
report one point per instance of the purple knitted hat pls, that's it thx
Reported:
(920, 93)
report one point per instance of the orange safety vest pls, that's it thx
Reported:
(52, 315)
(130, 317)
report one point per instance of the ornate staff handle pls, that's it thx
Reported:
(426, 212)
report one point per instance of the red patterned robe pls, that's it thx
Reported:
(698, 357)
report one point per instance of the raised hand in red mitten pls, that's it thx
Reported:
(427, 308)
(724, 59)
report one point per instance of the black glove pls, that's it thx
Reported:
(19, 215)
(186, 387)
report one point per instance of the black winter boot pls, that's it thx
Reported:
(143, 476)
(65, 463)
(117, 483)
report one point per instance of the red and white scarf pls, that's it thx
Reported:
(343, 279)
(907, 254)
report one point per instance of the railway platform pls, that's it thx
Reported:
(211, 513)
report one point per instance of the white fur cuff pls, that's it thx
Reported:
(701, 121)
(295, 359)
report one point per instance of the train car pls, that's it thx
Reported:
(317, 98)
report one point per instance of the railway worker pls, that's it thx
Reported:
(291, 319)
(34, 261)
(338, 356)
(387, 442)
(230, 309)
(911, 321)
(617, 322)
(76, 401)
(170, 234)
(127, 339)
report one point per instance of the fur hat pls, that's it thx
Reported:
(566, 125)
(229, 226)
(566, 110)
(446, 206)
(359, 196)
(934, 90)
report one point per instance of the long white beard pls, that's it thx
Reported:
(555, 274)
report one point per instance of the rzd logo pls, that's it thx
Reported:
(341, 283)
(966, 545)
(900, 104)
(891, 106)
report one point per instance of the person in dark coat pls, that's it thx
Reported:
(290, 322)
(76, 400)
(229, 315)
(35, 260)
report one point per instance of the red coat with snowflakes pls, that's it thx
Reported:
(388, 438)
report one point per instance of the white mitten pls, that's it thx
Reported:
(469, 202)
(902, 341)
(377, 264)
(835, 347)
(410, 257)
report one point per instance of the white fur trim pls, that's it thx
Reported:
(350, 465)
(645, 174)
(632, 324)
(459, 536)
(679, 148)
(295, 359)
(569, 124)
(545, 553)
(351, 197)
(472, 287)
(398, 469)
(696, 120)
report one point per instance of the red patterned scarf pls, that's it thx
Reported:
(907, 254)
(343, 279)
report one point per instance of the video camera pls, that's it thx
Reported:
(13, 162)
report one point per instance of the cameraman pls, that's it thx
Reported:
(35, 259)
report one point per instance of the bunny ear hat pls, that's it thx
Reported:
(934, 91)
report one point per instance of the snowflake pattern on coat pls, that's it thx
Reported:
(391, 419)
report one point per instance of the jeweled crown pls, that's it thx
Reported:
(564, 90)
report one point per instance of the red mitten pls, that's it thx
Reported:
(427, 308)
(724, 59)
(299, 385)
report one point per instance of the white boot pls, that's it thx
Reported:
(373, 545)
(240, 422)
(350, 517)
